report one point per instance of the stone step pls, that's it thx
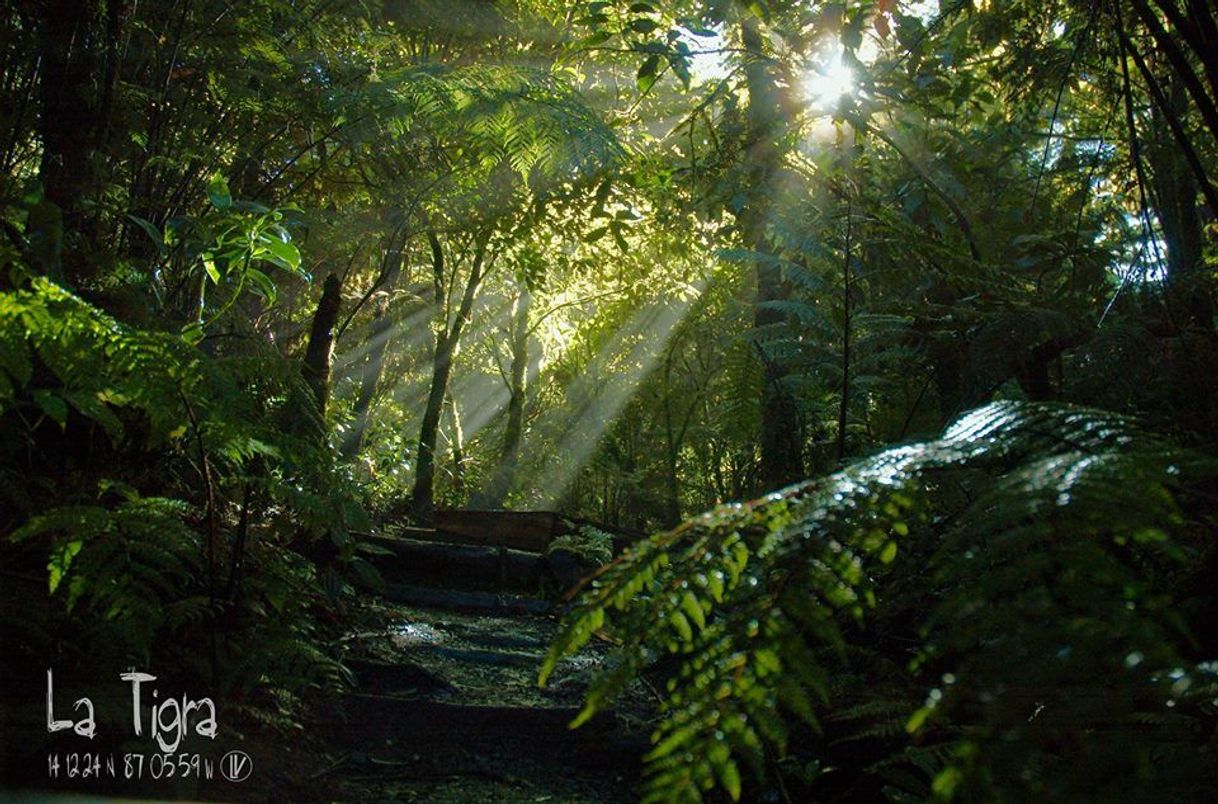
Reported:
(407, 725)
(476, 602)
(465, 567)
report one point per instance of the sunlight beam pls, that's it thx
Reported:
(599, 395)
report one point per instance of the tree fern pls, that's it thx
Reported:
(525, 117)
(1035, 556)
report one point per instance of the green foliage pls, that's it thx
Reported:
(526, 120)
(994, 211)
(1006, 609)
(202, 506)
(589, 542)
(95, 366)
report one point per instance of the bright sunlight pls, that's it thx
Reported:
(828, 80)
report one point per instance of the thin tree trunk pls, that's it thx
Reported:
(447, 339)
(844, 402)
(1165, 106)
(1199, 29)
(504, 475)
(672, 484)
(1175, 199)
(1170, 45)
(457, 442)
(781, 460)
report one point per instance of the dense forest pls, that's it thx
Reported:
(859, 359)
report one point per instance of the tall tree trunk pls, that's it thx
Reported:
(781, 452)
(447, 339)
(504, 475)
(847, 288)
(1170, 43)
(318, 354)
(422, 496)
(672, 483)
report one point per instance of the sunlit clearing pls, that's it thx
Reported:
(828, 81)
(598, 396)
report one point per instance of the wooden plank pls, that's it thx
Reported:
(522, 530)
(527, 531)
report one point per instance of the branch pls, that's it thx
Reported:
(1177, 130)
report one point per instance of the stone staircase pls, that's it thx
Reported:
(446, 705)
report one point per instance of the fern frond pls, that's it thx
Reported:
(1010, 513)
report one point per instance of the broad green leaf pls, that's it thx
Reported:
(646, 77)
(53, 406)
(154, 234)
(209, 265)
(263, 285)
(61, 561)
(218, 194)
(285, 255)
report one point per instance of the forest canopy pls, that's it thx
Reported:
(931, 283)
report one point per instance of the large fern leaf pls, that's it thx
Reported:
(1030, 555)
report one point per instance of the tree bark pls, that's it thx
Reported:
(672, 452)
(1181, 67)
(1175, 201)
(318, 354)
(847, 288)
(457, 443)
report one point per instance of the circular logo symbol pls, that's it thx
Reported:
(236, 766)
